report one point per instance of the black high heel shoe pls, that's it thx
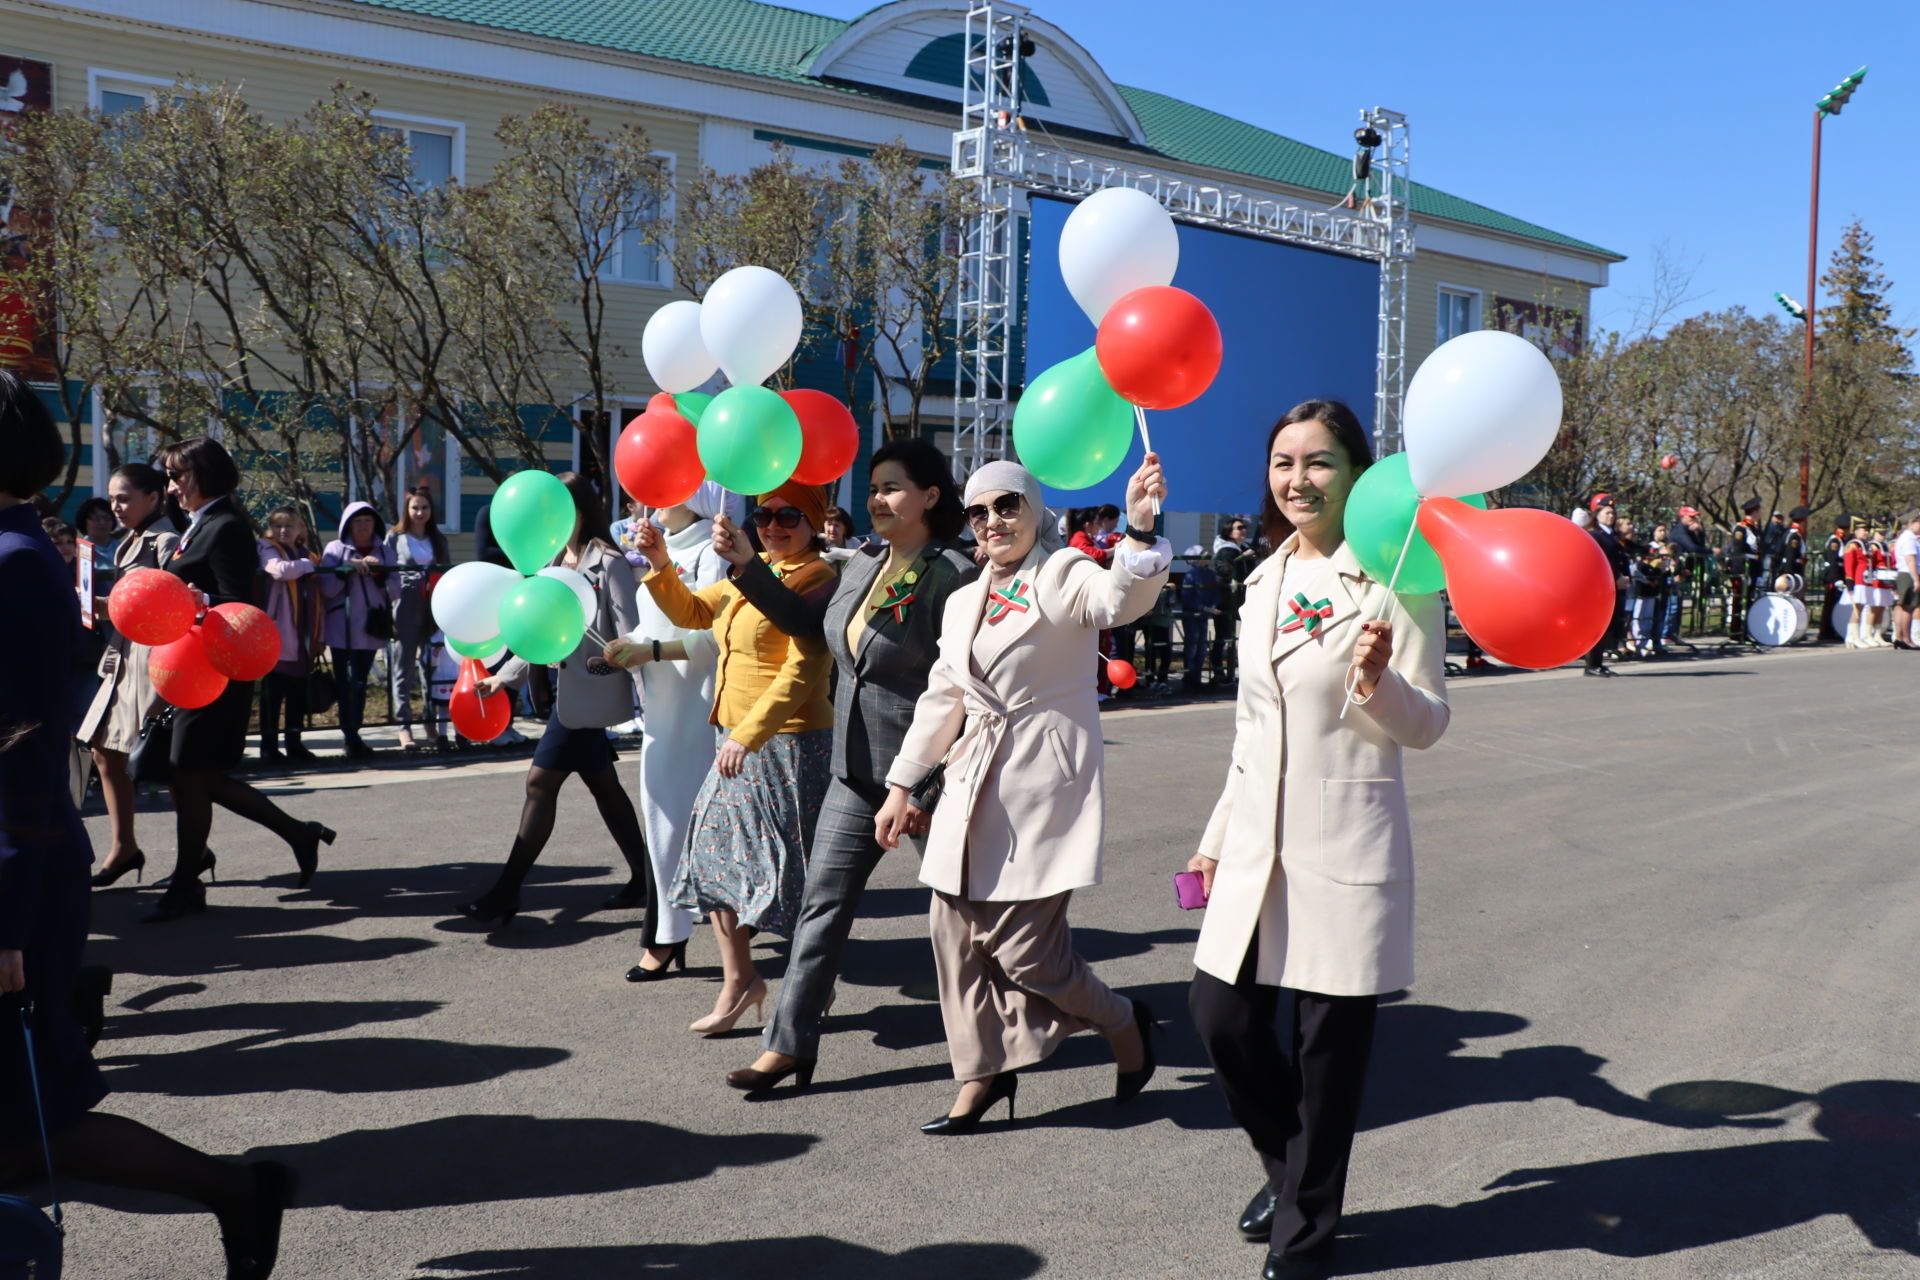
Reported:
(1005, 1085)
(753, 1082)
(306, 851)
(676, 957)
(136, 864)
(182, 898)
(1128, 1084)
(252, 1241)
(632, 894)
(205, 868)
(490, 907)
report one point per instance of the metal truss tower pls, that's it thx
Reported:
(1003, 161)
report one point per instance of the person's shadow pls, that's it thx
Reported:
(1864, 1163)
(793, 1258)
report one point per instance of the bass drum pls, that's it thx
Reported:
(1776, 619)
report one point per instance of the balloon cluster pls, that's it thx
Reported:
(191, 659)
(1157, 347)
(749, 438)
(1529, 586)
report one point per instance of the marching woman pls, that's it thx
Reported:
(588, 696)
(1010, 716)
(745, 858)
(294, 603)
(125, 698)
(416, 539)
(882, 626)
(1307, 858)
(677, 741)
(219, 556)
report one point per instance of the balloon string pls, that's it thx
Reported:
(1353, 673)
(1140, 416)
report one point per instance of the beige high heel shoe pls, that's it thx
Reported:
(716, 1024)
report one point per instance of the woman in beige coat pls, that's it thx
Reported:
(1010, 707)
(1308, 858)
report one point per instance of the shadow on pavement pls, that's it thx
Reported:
(794, 1258)
(358, 1064)
(269, 1021)
(1864, 1165)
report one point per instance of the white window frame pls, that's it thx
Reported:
(1442, 290)
(100, 80)
(670, 161)
(454, 129)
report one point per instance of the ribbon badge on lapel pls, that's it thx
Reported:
(1005, 601)
(1307, 614)
(899, 596)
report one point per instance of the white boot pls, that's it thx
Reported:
(1871, 635)
(1853, 630)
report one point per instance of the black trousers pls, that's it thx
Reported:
(1301, 1107)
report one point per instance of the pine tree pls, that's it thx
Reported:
(1859, 312)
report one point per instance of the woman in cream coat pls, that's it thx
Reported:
(1010, 706)
(1308, 857)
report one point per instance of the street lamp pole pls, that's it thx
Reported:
(1829, 105)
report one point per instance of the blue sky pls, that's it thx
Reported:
(1630, 125)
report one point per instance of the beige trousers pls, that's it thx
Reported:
(1011, 988)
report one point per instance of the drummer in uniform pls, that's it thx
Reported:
(1833, 579)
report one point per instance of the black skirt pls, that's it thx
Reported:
(70, 1084)
(213, 736)
(573, 750)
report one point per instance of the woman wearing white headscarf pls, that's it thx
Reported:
(677, 743)
(1010, 712)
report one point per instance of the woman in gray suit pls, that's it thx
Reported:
(882, 625)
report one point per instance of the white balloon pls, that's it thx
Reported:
(581, 589)
(466, 602)
(1116, 241)
(676, 355)
(1481, 412)
(750, 321)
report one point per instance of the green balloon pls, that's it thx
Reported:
(540, 620)
(532, 516)
(1071, 428)
(692, 404)
(1380, 510)
(749, 440)
(485, 649)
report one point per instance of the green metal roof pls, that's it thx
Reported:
(755, 38)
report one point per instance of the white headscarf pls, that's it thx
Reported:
(1014, 478)
(708, 501)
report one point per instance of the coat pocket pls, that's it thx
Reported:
(1060, 753)
(1364, 834)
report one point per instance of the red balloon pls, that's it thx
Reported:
(242, 642)
(1159, 347)
(830, 439)
(151, 606)
(1669, 462)
(1531, 587)
(181, 673)
(477, 718)
(657, 457)
(1121, 675)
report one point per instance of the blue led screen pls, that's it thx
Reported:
(1296, 324)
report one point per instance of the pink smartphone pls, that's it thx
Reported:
(1189, 890)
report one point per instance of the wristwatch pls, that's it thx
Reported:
(656, 651)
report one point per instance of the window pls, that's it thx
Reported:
(438, 147)
(1459, 312)
(115, 93)
(635, 259)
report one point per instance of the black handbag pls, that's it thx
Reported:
(379, 622)
(150, 759)
(322, 689)
(31, 1243)
(925, 794)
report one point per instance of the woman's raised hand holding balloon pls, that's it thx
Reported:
(1145, 491)
(729, 543)
(648, 542)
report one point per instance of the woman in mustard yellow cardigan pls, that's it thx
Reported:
(745, 863)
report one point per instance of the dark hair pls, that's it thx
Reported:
(1227, 522)
(87, 508)
(58, 528)
(1108, 511)
(593, 511)
(150, 479)
(31, 451)
(1347, 432)
(371, 512)
(433, 534)
(928, 468)
(1078, 518)
(214, 472)
(841, 514)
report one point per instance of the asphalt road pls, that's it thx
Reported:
(1669, 937)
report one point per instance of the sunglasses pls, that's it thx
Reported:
(786, 517)
(1006, 506)
(175, 474)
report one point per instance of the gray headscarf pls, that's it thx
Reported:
(1014, 478)
(708, 501)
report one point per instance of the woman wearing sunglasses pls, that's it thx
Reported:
(1010, 709)
(745, 859)
(882, 626)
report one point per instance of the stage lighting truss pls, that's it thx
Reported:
(1004, 159)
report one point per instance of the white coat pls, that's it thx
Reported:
(1022, 811)
(1311, 830)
